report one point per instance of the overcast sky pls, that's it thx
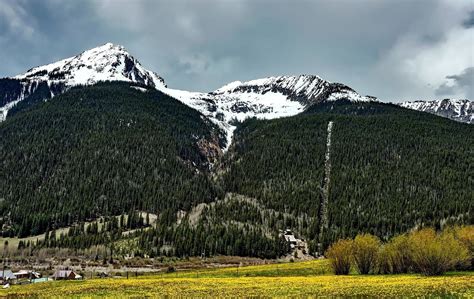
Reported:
(392, 49)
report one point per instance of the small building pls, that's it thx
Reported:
(22, 274)
(66, 275)
(290, 238)
(7, 275)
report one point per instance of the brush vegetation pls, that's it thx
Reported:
(424, 251)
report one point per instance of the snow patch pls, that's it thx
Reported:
(5, 108)
(139, 88)
(225, 109)
(348, 95)
(228, 87)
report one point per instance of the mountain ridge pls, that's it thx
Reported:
(266, 98)
(456, 109)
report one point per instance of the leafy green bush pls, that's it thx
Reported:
(364, 250)
(434, 254)
(339, 255)
(424, 251)
(465, 234)
(394, 256)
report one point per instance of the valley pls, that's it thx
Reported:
(216, 149)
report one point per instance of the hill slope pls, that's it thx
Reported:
(112, 149)
(392, 169)
(102, 150)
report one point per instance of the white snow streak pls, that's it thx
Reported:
(325, 188)
(4, 109)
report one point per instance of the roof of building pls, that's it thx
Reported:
(7, 274)
(27, 272)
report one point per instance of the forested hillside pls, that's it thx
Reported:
(392, 169)
(115, 149)
(102, 150)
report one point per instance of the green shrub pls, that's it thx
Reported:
(394, 256)
(365, 250)
(339, 254)
(434, 254)
(384, 260)
(465, 234)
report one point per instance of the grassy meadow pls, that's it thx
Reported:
(311, 278)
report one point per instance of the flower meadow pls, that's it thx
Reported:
(313, 279)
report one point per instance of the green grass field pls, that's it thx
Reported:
(292, 279)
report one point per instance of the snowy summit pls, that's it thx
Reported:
(108, 62)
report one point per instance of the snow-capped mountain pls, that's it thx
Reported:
(108, 62)
(265, 98)
(457, 109)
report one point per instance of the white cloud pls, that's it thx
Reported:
(430, 63)
(426, 56)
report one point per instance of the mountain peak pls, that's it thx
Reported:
(306, 89)
(296, 83)
(108, 62)
(107, 46)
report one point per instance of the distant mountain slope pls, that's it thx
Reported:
(102, 150)
(459, 110)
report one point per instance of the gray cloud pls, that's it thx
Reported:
(462, 83)
(202, 44)
(469, 22)
(445, 90)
